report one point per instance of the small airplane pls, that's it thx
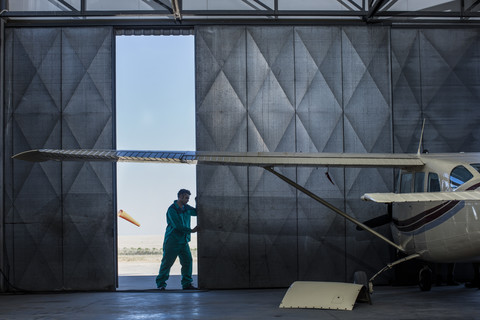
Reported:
(434, 215)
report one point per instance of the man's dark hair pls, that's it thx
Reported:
(183, 191)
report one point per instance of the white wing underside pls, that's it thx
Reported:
(421, 196)
(261, 159)
(266, 160)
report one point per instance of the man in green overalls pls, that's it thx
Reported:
(176, 241)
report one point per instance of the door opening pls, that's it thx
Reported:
(155, 110)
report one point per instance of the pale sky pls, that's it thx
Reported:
(155, 99)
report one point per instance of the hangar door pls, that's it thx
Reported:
(59, 217)
(286, 89)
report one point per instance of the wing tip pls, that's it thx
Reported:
(30, 155)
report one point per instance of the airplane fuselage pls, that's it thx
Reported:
(441, 231)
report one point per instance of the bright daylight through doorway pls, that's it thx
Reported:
(155, 110)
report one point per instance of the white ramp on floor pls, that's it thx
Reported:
(321, 295)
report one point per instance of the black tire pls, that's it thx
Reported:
(425, 279)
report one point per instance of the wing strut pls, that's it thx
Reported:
(332, 207)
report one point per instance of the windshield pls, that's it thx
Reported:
(459, 176)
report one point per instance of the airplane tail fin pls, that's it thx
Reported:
(421, 138)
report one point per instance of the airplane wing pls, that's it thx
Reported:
(421, 196)
(267, 160)
(261, 159)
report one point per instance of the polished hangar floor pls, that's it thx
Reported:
(137, 298)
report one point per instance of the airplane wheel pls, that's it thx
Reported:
(425, 279)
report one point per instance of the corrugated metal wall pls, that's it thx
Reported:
(318, 89)
(59, 217)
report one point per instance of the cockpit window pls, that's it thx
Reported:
(433, 182)
(406, 182)
(419, 181)
(459, 176)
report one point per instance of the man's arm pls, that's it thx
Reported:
(191, 210)
(175, 221)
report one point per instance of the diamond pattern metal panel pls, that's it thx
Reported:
(435, 78)
(221, 85)
(223, 242)
(272, 229)
(321, 233)
(86, 83)
(6, 231)
(271, 127)
(38, 197)
(450, 89)
(318, 88)
(221, 115)
(365, 252)
(319, 128)
(299, 97)
(270, 85)
(366, 89)
(88, 204)
(406, 90)
(368, 128)
(33, 190)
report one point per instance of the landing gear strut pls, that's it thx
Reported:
(390, 266)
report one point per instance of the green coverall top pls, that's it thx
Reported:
(178, 223)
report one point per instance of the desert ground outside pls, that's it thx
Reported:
(140, 255)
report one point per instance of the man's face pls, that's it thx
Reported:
(183, 198)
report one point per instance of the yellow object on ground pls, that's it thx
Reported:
(321, 295)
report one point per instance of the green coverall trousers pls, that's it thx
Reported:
(172, 250)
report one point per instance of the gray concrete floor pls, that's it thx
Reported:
(137, 298)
